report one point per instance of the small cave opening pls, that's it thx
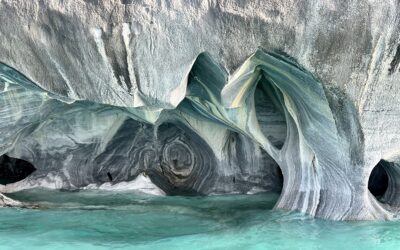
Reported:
(274, 175)
(13, 169)
(270, 112)
(379, 180)
(272, 179)
(110, 178)
(279, 177)
(254, 170)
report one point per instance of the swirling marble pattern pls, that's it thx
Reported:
(231, 134)
(76, 144)
(187, 164)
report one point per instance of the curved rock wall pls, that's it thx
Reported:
(77, 143)
(121, 88)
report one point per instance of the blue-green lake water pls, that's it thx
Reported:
(109, 220)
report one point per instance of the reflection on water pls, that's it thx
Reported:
(109, 220)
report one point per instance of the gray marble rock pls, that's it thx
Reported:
(76, 144)
(186, 93)
(8, 202)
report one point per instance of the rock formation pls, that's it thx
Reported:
(207, 97)
(7, 202)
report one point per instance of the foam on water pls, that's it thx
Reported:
(93, 219)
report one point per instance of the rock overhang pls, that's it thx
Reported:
(79, 56)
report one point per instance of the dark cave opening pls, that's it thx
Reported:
(379, 180)
(279, 177)
(110, 178)
(255, 169)
(13, 170)
(270, 112)
(273, 173)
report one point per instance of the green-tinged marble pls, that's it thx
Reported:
(230, 134)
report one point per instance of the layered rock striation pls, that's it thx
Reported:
(201, 98)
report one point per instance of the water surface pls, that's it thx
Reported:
(110, 220)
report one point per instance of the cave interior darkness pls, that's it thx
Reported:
(379, 180)
(13, 170)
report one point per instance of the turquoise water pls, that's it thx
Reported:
(109, 220)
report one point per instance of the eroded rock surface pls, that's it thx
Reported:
(7, 202)
(178, 91)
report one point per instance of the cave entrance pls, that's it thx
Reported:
(13, 170)
(252, 169)
(273, 177)
(379, 180)
(270, 112)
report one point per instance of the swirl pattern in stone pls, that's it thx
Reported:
(228, 135)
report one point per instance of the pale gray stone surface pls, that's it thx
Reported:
(146, 56)
(5, 201)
